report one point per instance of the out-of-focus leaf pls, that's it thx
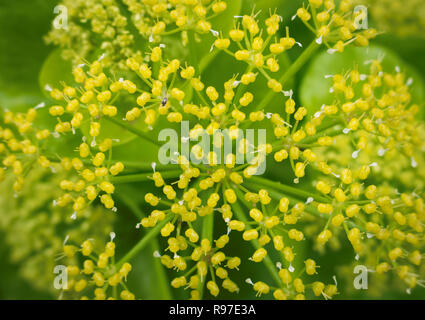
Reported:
(410, 49)
(22, 26)
(54, 72)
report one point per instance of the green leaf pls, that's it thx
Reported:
(22, 26)
(314, 88)
(54, 72)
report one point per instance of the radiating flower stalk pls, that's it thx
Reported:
(340, 157)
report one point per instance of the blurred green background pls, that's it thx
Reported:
(23, 24)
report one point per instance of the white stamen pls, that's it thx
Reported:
(214, 33)
(335, 175)
(40, 105)
(319, 40)
(309, 200)
(288, 93)
(355, 154)
(291, 268)
(381, 152)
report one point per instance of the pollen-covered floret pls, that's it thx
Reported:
(336, 24)
(96, 275)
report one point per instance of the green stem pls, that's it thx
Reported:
(144, 241)
(207, 227)
(335, 130)
(192, 48)
(297, 192)
(146, 166)
(293, 69)
(134, 130)
(206, 60)
(144, 177)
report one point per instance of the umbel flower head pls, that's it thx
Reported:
(110, 25)
(340, 188)
(35, 227)
(99, 274)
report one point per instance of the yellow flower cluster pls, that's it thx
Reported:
(259, 49)
(95, 24)
(21, 145)
(34, 228)
(91, 25)
(93, 165)
(335, 25)
(293, 287)
(398, 17)
(207, 259)
(341, 191)
(98, 275)
(153, 18)
(369, 109)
